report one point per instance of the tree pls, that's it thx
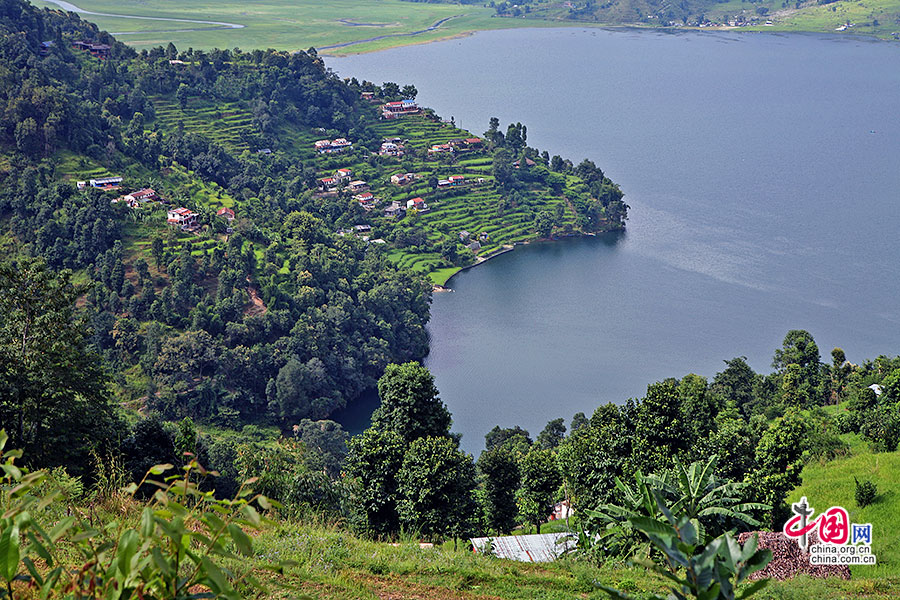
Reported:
(552, 434)
(514, 437)
(409, 92)
(304, 390)
(327, 440)
(698, 406)
(53, 396)
(579, 420)
(182, 94)
(540, 482)
(502, 168)
(779, 456)
(410, 405)
(659, 428)
(157, 249)
(374, 460)
(435, 489)
(499, 474)
(544, 223)
(800, 349)
(736, 384)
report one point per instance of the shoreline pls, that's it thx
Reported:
(480, 260)
(557, 24)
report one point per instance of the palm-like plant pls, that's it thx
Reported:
(693, 491)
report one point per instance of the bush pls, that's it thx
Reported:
(865, 492)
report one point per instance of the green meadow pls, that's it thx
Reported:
(289, 25)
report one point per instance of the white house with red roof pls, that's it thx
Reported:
(182, 217)
(392, 110)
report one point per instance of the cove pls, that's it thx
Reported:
(763, 175)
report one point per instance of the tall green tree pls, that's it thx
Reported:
(374, 459)
(552, 434)
(540, 483)
(54, 400)
(410, 405)
(779, 456)
(499, 473)
(799, 348)
(435, 489)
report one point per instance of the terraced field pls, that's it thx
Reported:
(225, 122)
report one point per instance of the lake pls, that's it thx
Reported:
(763, 175)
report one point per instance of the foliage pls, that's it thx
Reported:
(53, 396)
(711, 571)
(712, 505)
(498, 470)
(410, 405)
(865, 493)
(182, 541)
(435, 487)
(540, 482)
(374, 459)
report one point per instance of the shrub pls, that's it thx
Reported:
(865, 492)
(181, 544)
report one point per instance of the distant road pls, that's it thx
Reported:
(218, 24)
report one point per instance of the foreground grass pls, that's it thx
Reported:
(335, 564)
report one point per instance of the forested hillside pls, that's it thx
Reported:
(206, 254)
(281, 290)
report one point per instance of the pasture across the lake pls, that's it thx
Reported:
(288, 24)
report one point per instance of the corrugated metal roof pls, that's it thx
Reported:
(545, 547)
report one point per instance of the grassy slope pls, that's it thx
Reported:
(831, 484)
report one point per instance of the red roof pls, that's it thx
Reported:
(225, 211)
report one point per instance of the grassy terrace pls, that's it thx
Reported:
(222, 122)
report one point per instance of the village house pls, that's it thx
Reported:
(483, 236)
(226, 213)
(265, 151)
(463, 236)
(392, 110)
(362, 228)
(358, 186)
(394, 210)
(326, 184)
(441, 149)
(366, 200)
(474, 246)
(417, 204)
(183, 217)
(528, 163)
(100, 51)
(343, 175)
(106, 183)
(391, 149)
(332, 146)
(561, 511)
(370, 96)
(81, 184)
(142, 195)
(456, 180)
(44, 50)
(473, 142)
(402, 178)
(175, 61)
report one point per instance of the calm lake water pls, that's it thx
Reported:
(763, 175)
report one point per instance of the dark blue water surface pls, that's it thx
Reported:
(763, 175)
